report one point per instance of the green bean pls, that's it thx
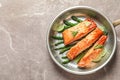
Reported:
(64, 57)
(65, 49)
(103, 28)
(60, 48)
(60, 42)
(66, 27)
(69, 23)
(57, 37)
(78, 58)
(66, 61)
(76, 19)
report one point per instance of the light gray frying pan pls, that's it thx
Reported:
(101, 20)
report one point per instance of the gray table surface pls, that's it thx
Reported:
(23, 29)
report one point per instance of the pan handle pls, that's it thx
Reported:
(116, 22)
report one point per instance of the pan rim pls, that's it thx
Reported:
(87, 72)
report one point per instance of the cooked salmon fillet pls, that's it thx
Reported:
(86, 61)
(80, 30)
(84, 43)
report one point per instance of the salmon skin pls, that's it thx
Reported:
(81, 30)
(86, 61)
(84, 43)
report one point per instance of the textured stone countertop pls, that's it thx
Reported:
(23, 29)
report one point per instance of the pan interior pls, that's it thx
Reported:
(81, 13)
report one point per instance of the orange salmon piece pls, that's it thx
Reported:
(82, 30)
(86, 61)
(84, 43)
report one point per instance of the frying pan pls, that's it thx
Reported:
(101, 20)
